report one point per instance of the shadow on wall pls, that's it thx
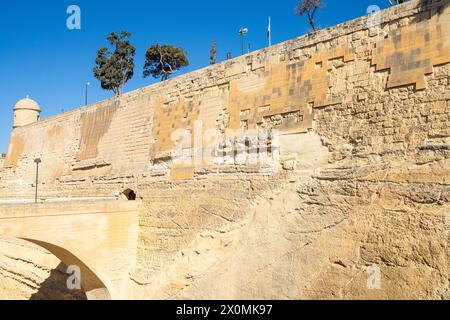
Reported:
(55, 287)
(426, 4)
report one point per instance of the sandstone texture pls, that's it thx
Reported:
(352, 202)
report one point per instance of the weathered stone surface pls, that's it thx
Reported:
(2, 161)
(30, 272)
(361, 184)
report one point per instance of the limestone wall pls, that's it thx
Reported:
(362, 180)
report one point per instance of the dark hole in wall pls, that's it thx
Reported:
(130, 195)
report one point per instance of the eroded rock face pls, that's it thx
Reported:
(2, 160)
(355, 207)
(321, 237)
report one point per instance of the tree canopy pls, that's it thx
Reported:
(309, 7)
(161, 61)
(114, 68)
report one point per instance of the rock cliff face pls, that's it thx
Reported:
(355, 205)
(2, 160)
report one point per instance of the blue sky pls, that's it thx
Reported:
(40, 57)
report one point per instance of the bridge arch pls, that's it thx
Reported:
(99, 237)
(91, 284)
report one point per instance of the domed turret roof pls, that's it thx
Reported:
(27, 104)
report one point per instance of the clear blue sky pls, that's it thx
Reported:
(40, 57)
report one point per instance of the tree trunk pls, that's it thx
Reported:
(311, 22)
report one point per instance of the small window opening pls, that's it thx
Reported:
(130, 195)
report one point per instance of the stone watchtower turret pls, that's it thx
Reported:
(26, 111)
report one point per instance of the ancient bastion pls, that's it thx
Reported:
(361, 179)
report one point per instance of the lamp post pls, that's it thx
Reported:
(86, 95)
(37, 161)
(243, 32)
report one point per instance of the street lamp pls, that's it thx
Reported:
(37, 161)
(86, 95)
(243, 32)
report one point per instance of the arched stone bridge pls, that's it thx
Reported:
(99, 237)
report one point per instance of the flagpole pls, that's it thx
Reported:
(270, 33)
